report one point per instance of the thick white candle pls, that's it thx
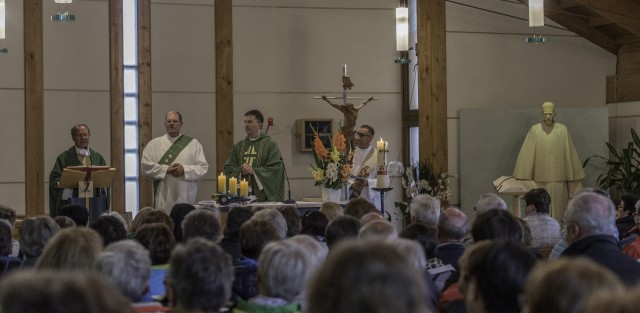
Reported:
(344, 70)
(222, 183)
(233, 186)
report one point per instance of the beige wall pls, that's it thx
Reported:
(285, 53)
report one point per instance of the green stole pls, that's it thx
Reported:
(170, 156)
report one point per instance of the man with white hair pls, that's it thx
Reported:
(425, 209)
(589, 219)
(489, 201)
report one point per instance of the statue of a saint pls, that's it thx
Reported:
(549, 158)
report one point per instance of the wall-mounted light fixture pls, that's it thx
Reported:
(63, 12)
(536, 19)
(3, 22)
(402, 29)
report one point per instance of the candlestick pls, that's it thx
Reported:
(222, 183)
(233, 186)
(344, 70)
(244, 188)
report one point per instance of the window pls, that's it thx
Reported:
(131, 144)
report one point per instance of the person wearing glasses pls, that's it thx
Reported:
(257, 159)
(363, 170)
(175, 162)
(78, 155)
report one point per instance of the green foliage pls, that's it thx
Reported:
(623, 169)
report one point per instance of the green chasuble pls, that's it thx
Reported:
(263, 155)
(68, 158)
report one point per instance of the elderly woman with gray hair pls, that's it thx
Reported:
(282, 271)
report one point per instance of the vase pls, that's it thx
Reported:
(331, 194)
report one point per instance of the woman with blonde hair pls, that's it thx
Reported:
(75, 248)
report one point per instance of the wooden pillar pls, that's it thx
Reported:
(144, 93)
(224, 81)
(33, 108)
(116, 95)
(432, 82)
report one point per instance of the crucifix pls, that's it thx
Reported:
(349, 110)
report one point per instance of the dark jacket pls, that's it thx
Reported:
(604, 250)
(624, 224)
(450, 253)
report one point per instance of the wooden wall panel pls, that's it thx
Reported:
(432, 82)
(34, 108)
(116, 96)
(144, 93)
(224, 81)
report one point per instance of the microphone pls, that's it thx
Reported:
(288, 201)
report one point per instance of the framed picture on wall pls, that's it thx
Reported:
(306, 127)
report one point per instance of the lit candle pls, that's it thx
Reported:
(244, 188)
(233, 186)
(222, 183)
(344, 70)
(380, 145)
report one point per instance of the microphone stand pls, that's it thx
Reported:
(288, 201)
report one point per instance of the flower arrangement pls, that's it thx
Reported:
(424, 178)
(333, 165)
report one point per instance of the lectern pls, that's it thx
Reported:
(85, 179)
(509, 185)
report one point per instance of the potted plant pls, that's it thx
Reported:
(622, 173)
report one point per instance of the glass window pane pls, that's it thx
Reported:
(131, 201)
(414, 144)
(130, 165)
(129, 32)
(130, 137)
(413, 68)
(130, 109)
(130, 81)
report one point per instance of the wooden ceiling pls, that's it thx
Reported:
(609, 24)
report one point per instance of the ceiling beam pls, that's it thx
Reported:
(627, 39)
(599, 21)
(624, 12)
(577, 25)
(565, 4)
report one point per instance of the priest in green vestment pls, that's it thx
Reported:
(257, 159)
(549, 158)
(78, 155)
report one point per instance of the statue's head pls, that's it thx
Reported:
(548, 113)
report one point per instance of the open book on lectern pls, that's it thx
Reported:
(510, 184)
(100, 175)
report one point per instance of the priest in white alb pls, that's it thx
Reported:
(549, 158)
(175, 162)
(364, 167)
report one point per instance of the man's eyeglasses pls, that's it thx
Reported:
(171, 122)
(361, 134)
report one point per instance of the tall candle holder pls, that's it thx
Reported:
(382, 191)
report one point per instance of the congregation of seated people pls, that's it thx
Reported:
(351, 259)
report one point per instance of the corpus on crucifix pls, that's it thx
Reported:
(349, 110)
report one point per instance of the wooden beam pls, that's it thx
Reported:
(224, 81)
(144, 95)
(116, 96)
(432, 82)
(627, 39)
(566, 4)
(625, 13)
(577, 25)
(599, 21)
(623, 88)
(33, 108)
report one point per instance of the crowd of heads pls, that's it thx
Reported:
(331, 260)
